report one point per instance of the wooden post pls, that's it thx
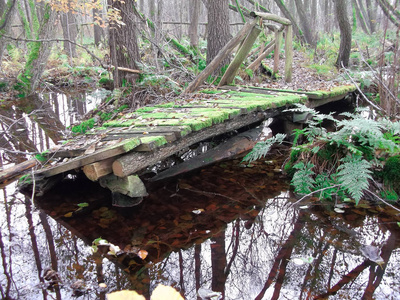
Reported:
(241, 55)
(278, 42)
(225, 51)
(288, 53)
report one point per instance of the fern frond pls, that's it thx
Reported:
(354, 174)
(303, 180)
(262, 148)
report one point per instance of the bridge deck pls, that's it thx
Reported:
(142, 138)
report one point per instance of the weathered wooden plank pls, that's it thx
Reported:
(110, 151)
(178, 131)
(169, 136)
(9, 174)
(151, 143)
(134, 161)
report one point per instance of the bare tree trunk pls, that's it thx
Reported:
(97, 30)
(218, 261)
(305, 23)
(194, 22)
(371, 16)
(360, 17)
(289, 16)
(6, 9)
(345, 33)
(70, 32)
(123, 44)
(218, 28)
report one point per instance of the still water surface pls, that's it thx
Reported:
(228, 228)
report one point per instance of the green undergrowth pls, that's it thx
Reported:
(342, 164)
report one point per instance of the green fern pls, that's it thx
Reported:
(354, 174)
(303, 180)
(262, 148)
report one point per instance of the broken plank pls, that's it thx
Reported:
(135, 161)
(236, 145)
(99, 169)
(80, 161)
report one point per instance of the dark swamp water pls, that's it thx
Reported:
(226, 228)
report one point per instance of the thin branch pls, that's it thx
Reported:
(57, 40)
(359, 90)
(317, 191)
(384, 201)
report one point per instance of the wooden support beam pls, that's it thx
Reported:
(278, 42)
(288, 53)
(111, 151)
(241, 55)
(134, 162)
(10, 174)
(236, 145)
(99, 169)
(225, 51)
(271, 17)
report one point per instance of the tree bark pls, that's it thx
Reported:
(70, 32)
(123, 44)
(390, 12)
(97, 30)
(218, 28)
(360, 17)
(289, 16)
(305, 23)
(7, 10)
(345, 34)
(194, 23)
(371, 16)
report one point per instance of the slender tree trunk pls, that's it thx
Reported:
(390, 12)
(289, 16)
(218, 262)
(371, 16)
(360, 17)
(305, 23)
(7, 10)
(97, 30)
(123, 44)
(70, 32)
(194, 22)
(218, 28)
(345, 34)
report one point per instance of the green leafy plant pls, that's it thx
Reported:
(341, 163)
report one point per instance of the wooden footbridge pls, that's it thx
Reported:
(117, 153)
(122, 148)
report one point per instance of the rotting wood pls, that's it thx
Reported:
(81, 161)
(240, 56)
(134, 162)
(236, 145)
(271, 17)
(288, 53)
(10, 174)
(169, 136)
(278, 42)
(99, 169)
(131, 185)
(225, 51)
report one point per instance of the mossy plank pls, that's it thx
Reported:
(150, 143)
(169, 136)
(107, 152)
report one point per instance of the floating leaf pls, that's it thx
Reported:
(198, 211)
(142, 254)
(84, 204)
(125, 295)
(68, 215)
(339, 210)
(163, 292)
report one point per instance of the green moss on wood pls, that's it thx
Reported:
(156, 140)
